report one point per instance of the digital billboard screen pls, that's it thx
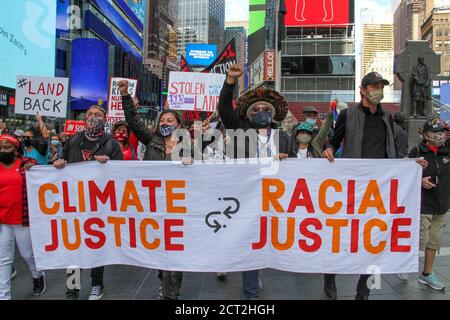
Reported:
(89, 73)
(201, 54)
(317, 12)
(27, 39)
(139, 8)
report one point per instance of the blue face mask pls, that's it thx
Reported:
(312, 121)
(55, 142)
(262, 119)
(165, 130)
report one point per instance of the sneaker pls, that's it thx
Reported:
(39, 286)
(222, 276)
(403, 276)
(96, 293)
(72, 294)
(13, 273)
(431, 281)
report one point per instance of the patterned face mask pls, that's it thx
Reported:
(304, 138)
(165, 130)
(121, 136)
(95, 126)
(435, 138)
(375, 97)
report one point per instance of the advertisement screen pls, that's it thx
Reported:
(445, 99)
(27, 39)
(317, 12)
(89, 73)
(112, 14)
(62, 18)
(138, 8)
(200, 54)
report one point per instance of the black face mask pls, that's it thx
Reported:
(262, 119)
(27, 141)
(7, 157)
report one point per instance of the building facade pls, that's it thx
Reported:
(200, 21)
(240, 36)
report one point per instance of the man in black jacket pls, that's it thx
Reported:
(89, 145)
(254, 115)
(435, 195)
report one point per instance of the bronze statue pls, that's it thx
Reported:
(421, 89)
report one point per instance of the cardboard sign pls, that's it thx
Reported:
(48, 96)
(115, 99)
(194, 91)
(73, 127)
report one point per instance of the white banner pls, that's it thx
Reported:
(48, 96)
(194, 91)
(349, 217)
(115, 109)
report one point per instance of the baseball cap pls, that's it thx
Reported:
(18, 133)
(434, 125)
(373, 78)
(310, 109)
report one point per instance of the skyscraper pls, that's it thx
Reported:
(200, 21)
(240, 36)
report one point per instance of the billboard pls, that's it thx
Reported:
(27, 39)
(89, 73)
(201, 54)
(445, 99)
(138, 7)
(317, 12)
(62, 19)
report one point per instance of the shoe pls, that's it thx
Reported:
(72, 294)
(329, 287)
(403, 276)
(96, 293)
(222, 276)
(362, 296)
(13, 273)
(431, 281)
(39, 286)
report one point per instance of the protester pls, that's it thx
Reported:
(435, 196)
(159, 146)
(289, 123)
(55, 150)
(35, 142)
(121, 132)
(89, 145)
(255, 113)
(367, 132)
(14, 218)
(401, 135)
(306, 146)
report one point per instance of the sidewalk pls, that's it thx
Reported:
(126, 282)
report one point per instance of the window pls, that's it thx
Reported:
(325, 65)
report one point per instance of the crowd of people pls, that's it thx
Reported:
(366, 131)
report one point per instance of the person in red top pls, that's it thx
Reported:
(121, 133)
(14, 221)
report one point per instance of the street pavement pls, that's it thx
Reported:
(135, 283)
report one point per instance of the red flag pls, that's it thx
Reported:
(225, 59)
(185, 67)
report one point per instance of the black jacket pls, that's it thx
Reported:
(401, 140)
(106, 146)
(435, 200)
(231, 121)
(154, 144)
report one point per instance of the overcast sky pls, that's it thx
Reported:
(238, 9)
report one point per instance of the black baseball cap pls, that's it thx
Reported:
(434, 125)
(373, 78)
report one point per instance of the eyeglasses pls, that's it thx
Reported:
(260, 109)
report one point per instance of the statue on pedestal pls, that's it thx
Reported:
(421, 87)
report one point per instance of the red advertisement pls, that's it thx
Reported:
(73, 127)
(316, 12)
(269, 65)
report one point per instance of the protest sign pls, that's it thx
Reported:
(48, 96)
(115, 99)
(73, 127)
(194, 91)
(311, 216)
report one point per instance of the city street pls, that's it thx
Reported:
(134, 283)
